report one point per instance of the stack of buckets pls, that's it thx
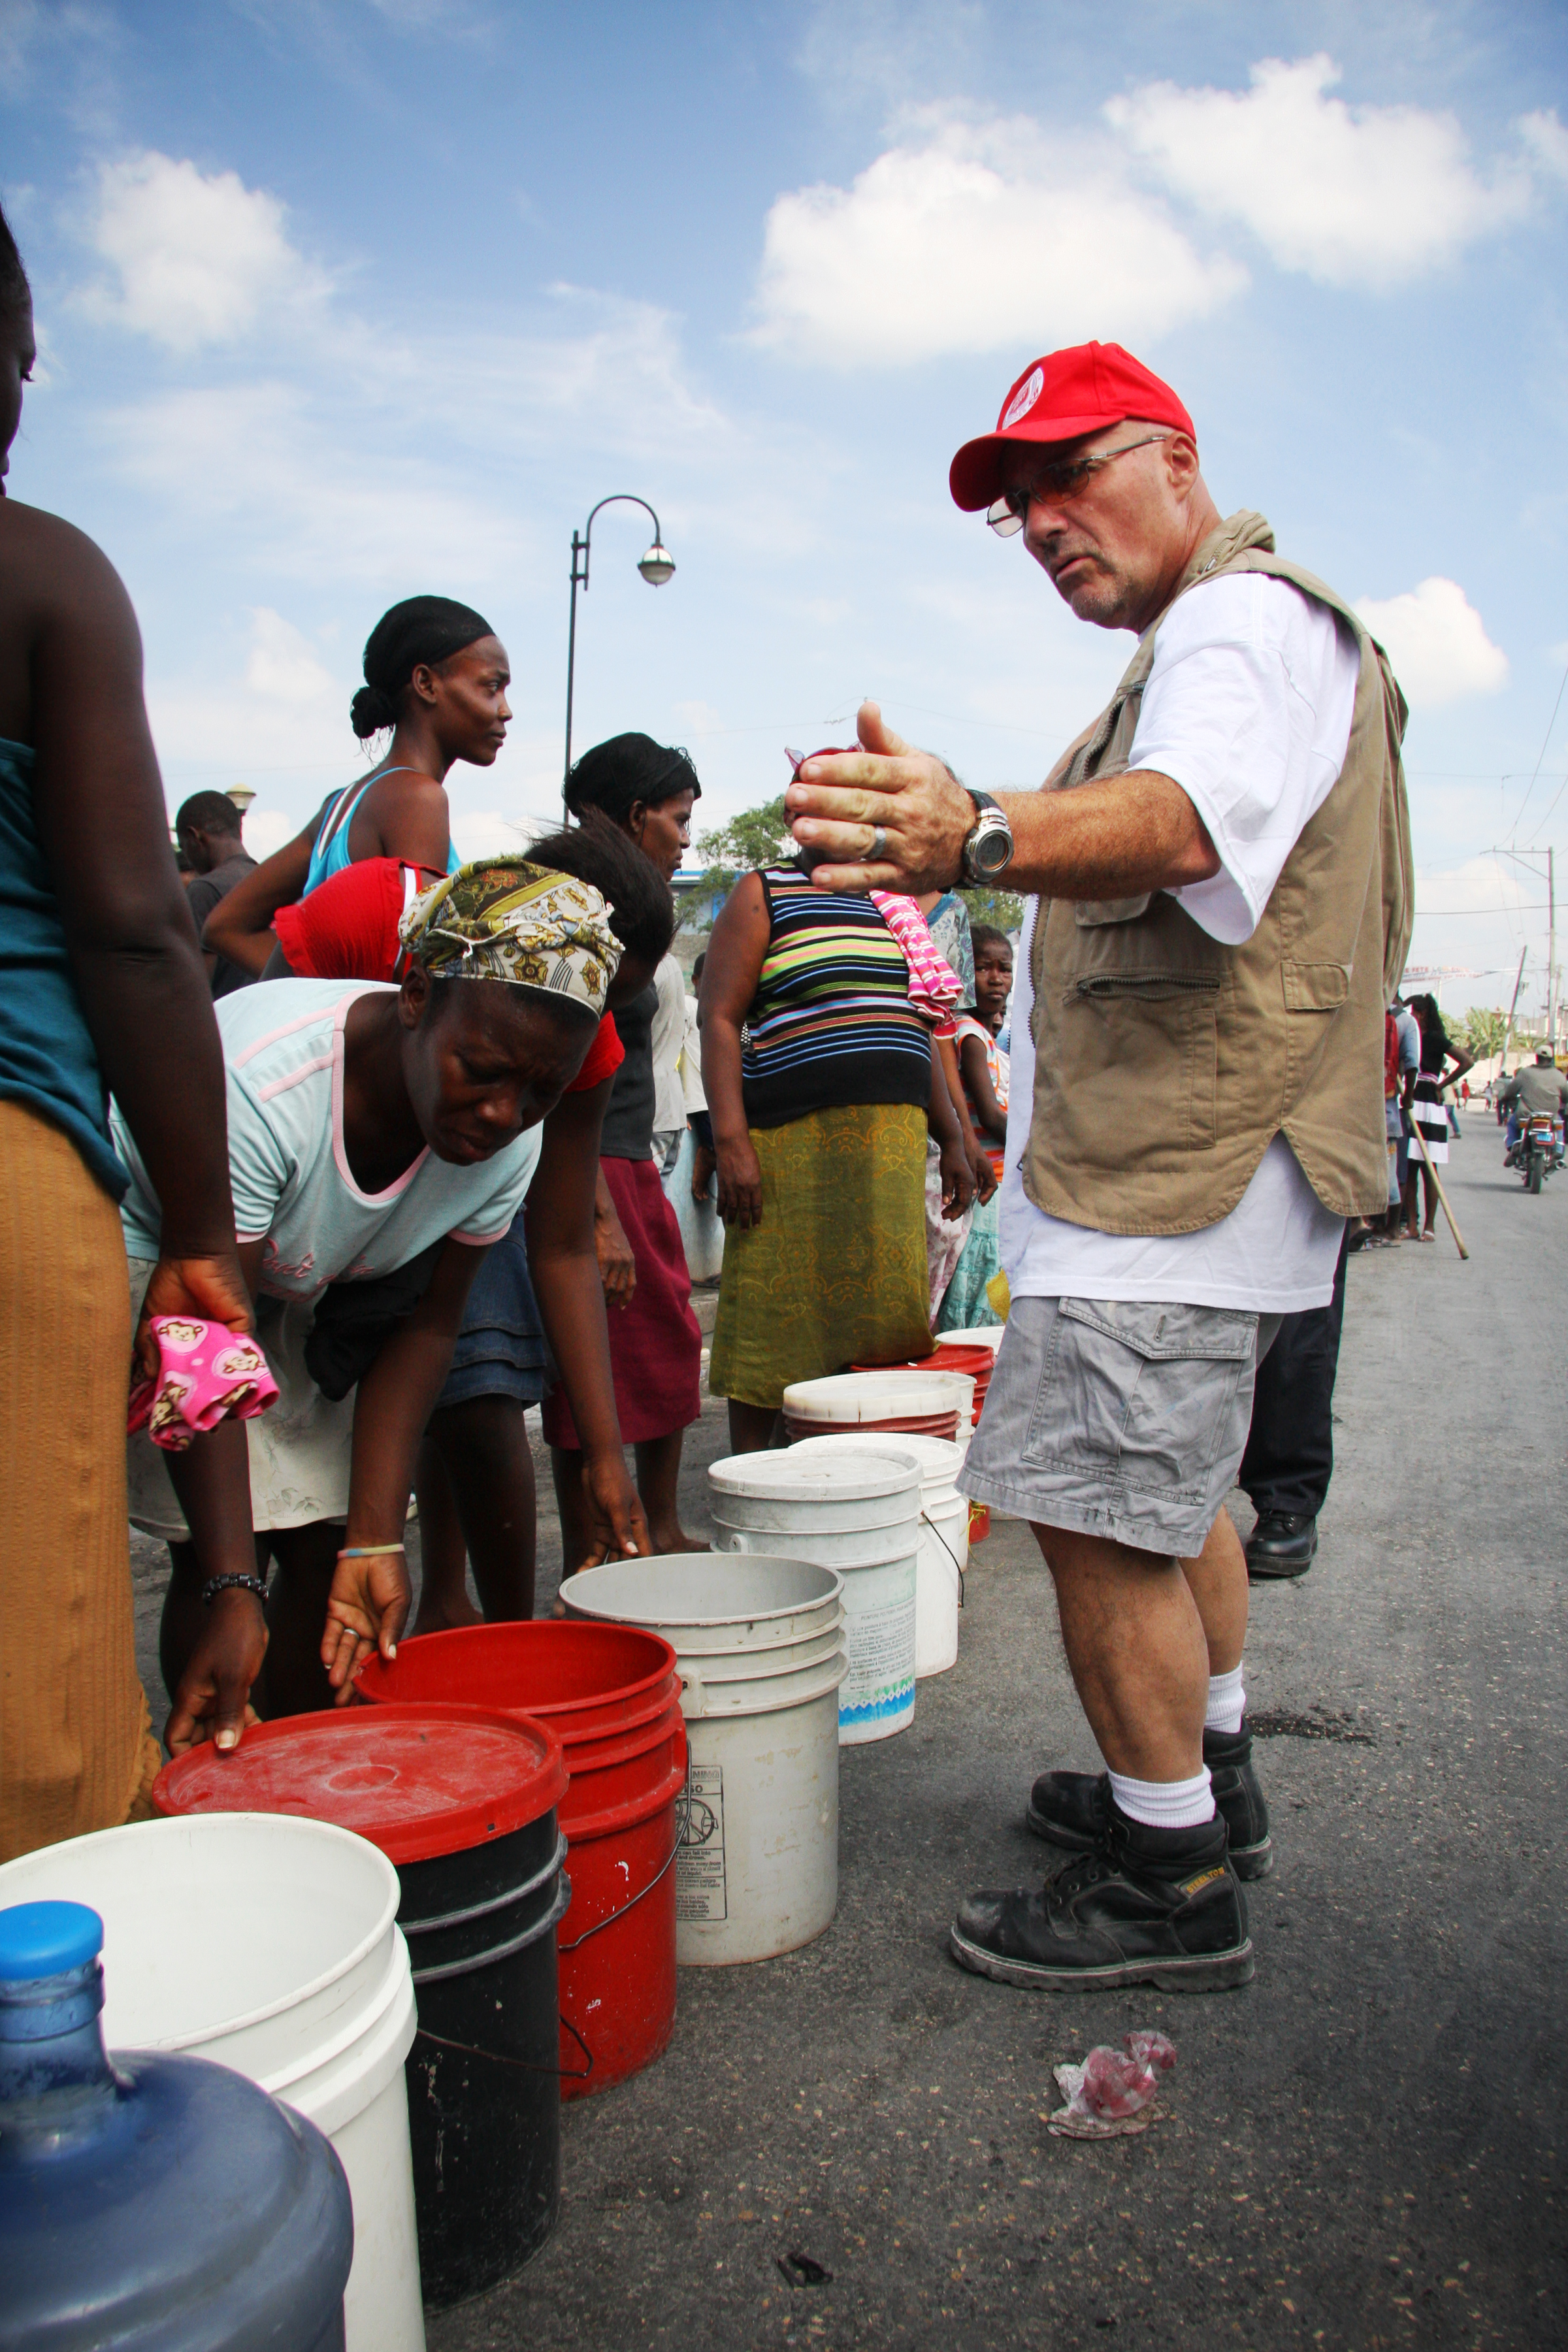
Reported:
(922, 1404)
(611, 1695)
(968, 1360)
(859, 1513)
(760, 1653)
(943, 1547)
(462, 1804)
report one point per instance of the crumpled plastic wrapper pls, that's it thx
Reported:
(1113, 2093)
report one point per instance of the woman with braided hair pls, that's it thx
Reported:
(369, 1126)
(436, 675)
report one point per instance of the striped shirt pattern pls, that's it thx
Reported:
(831, 1022)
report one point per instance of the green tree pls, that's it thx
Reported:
(1000, 909)
(1481, 1031)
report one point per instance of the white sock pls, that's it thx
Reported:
(1165, 1804)
(1228, 1702)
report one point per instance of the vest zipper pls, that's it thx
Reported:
(1139, 983)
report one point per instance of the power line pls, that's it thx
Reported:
(1546, 738)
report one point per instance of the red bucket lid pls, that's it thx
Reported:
(415, 1781)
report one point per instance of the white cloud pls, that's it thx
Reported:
(283, 665)
(976, 237)
(1545, 142)
(267, 829)
(196, 259)
(1437, 643)
(1354, 196)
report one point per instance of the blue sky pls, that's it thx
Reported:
(341, 299)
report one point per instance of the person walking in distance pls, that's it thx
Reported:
(1220, 869)
(207, 829)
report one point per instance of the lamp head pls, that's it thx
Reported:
(657, 565)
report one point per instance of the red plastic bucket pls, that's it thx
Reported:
(612, 1695)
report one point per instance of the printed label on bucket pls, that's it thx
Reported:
(881, 1677)
(700, 1888)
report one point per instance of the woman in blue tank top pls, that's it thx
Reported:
(436, 675)
(101, 983)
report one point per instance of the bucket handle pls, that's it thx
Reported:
(600, 1925)
(497, 1902)
(931, 1523)
(524, 2066)
(502, 1951)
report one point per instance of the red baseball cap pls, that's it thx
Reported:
(1059, 398)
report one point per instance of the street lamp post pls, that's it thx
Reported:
(656, 566)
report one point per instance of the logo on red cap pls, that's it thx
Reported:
(1024, 399)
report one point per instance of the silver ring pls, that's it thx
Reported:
(878, 850)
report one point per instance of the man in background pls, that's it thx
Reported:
(207, 830)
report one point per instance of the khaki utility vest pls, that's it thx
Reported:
(1165, 1061)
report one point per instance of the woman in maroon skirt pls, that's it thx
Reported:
(655, 1346)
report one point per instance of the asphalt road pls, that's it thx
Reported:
(1358, 2150)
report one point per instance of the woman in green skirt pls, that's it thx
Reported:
(822, 1081)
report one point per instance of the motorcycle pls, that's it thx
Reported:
(1537, 1150)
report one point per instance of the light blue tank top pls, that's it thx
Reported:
(331, 853)
(47, 1059)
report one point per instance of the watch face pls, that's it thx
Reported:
(990, 850)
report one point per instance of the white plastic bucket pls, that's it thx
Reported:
(757, 1871)
(271, 1945)
(943, 1553)
(984, 1335)
(857, 1512)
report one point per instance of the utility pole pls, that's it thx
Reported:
(1513, 1007)
(1552, 954)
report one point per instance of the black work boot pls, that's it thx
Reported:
(1071, 1809)
(1283, 1543)
(1147, 1906)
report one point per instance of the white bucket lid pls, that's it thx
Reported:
(939, 1458)
(881, 1396)
(863, 1473)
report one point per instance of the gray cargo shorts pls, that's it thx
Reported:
(1118, 1418)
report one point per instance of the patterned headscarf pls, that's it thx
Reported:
(504, 918)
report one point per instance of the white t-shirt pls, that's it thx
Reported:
(668, 1037)
(1248, 706)
(287, 1165)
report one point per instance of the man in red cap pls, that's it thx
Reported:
(1219, 875)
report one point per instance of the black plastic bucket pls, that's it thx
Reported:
(484, 2090)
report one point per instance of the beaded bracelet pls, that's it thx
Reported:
(369, 1552)
(216, 1584)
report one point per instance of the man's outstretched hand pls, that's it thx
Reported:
(838, 799)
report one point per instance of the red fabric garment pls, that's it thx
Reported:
(604, 1057)
(347, 929)
(1390, 1056)
(655, 1343)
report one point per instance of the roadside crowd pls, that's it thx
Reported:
(393, 1135)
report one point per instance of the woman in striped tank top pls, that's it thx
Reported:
(821, 1080)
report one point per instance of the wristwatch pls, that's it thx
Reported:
(988, 847)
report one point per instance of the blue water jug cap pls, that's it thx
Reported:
(45, 1940)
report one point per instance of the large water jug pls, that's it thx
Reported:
(149, 2199)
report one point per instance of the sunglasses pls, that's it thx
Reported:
(1063, 480)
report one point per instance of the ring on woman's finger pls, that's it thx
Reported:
(879, 849)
